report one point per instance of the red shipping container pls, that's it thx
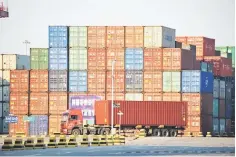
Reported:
(116, 96)
(153, 58)
(101, 95)
(118, 55)
(177, 59)
(205, 46)
(96, 59)
(57, 102)
(55, 123)
(38, 103)
(97, 81)
(153, 97)
(181, 39)
(19, 103)
(221, 66)
(119, 81)
(197, 65)
(134, 36)
(171, 97)
(228, 125)
(39, 80)
(20, 126)
(97, 37)
(152, 81)
(115, 36)
(135, 113)
(222, 108)
(19, 81)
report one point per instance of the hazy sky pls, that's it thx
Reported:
(29, 19)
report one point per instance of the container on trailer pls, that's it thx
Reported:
(134, 96)
(231, 50)
(58, 36)
(133, 58)
(96, 36)
(38, 103)
(39, 58)
(152, 81)
(20, 126)
(119, 81)
(57, 102)
(222, 108)
(39, 126)
(216, 125)
(215, 107)
(222, 125)
(134, 81)
(58, 59)
(14, 61)
(171, 81)
(54, 123)
(58, 80)
(181, 39)
(228, 110)
(228, 125)
(216, 88)
(96, 59)
(5, 109)
(115, 36)
(116, 96)
(19, 81)
(78, 58)
(152, 97)
(171, 97)
(140, 116)
(78, 36)
(78, 81)
(222, 89)
(134, 36)
(39, 80)
(19, 103)
(96, 81)
(6, 77)
(159, 36)
(117, 54)
(153, 59)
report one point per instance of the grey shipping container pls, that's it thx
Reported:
(58, 80)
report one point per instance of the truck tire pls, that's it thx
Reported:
(76, 132)
(105, 131)
(173, 133)
(165, 133)
(157, 132)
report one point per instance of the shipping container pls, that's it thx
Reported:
(58, 59)
(38, 80)
(102, 95)
(96, 59)
(182, 39)
(19, 81)
(228, 125)
(171, 97)
(119, 81)
(5, 109)
(14, 61)
(215, 107)
(152, 97)
(78, 81)
(223, 51)
(178, 59)
(19, 103)
(4, 93)
(6, 77)
(134, 81)
(133, 58)
(1, 110)
(58, 36)
(116, 96)
(216, 88)
(198, 104)
(78, 58)
(38, 103)
(20, 126)
(217, 53)
(72, 94)
(97, 37)
(222, 107)
(118, 55)
(228, 110)
(153, 59)
(152, 81)
(171, 81)
(134, 36)
(204, 66)
(221, 66)
(231, 50)
(58, 80)
(216, 125)
(4, 126)
(54, 123)
(78, 36)
(57, 102)
(159, 36)
(222, 89)
(39, 126)
(1, 77)
(196, 81)
(210, 67)
(97, 81)
(222, 126)
(151, 113)
(1, 62)
(115, 36)
(134, 96)
(39, 58)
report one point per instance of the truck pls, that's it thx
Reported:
(156, 118)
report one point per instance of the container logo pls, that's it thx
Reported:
(209, 47)
(206, 82)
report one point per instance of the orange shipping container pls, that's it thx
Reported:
(178, 59)
(101, 95)
(57, 102)
(97, 37)
(20, 126)
(19, 103)
(153, 59)
(134, 37)
(153, 97)
(96, 59)
(39, 80)
(96, 81)
(117, 96)
(171, 97)
(38, 103)
(19, 80)
(115, 54)
(55, 123)
(115, 36)
(119, 81)
(153, 81)
(181, 39)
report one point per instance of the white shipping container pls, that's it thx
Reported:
(6, 93)
(5, 109)
(6, 77)
(159, 36)
(216, 88)
(1, 108)
(1, 79)
(0, 61)
(13, 61)
(134, 96)
(222, 89)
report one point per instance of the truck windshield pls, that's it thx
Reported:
(64, 117)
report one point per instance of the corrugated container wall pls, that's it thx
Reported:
(6, 77)
(133, 59)
(228, 124)
(54, 123)
(222, 89)
(216, 125)
(39, 58)
(1, 62)
(13, 62)
(222, 125)
(78, 81)
(116, 96)
(39, 126)
(115, 36)
(19, 81)
(5, 93)
(96, 59)
(97, 37)
(78, 37)
(119, 81)
(152, 97)
(58, 59)
(58, 80)
(5, 109)
(134, 96)
(215, 107)
(216, 88)
(152, 81)
(222, 108)
(20, 126)
(231, 50)
(78, 59)
(182, 39)
(58, 36)
(134, 81)
(38, 103)
(97, 81)
(171, 97)
(153, 59)
(39, 80)
(223, 51)
(5, 126)
(19, 103)
(134, 36)
(171, 81)
(117, 54)
(228, 110)
(57, 102)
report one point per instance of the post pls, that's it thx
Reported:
(112, 94)
(119, 114)
(26, 42)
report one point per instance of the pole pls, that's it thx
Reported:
(112, 92)
(26, 42)
(119, 123)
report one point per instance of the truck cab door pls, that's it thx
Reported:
(74, 121)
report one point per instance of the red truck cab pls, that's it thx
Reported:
(72, 122)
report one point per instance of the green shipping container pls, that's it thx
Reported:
(171, 81)
(39, 58)
(223, 51)
(231, 49)
(215, 108)
(78, 37)
(78, 59)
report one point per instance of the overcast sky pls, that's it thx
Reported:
(29, 19)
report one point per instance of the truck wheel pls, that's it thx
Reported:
(76, 132)
(173, 133)
(157, 132)
(165, 133)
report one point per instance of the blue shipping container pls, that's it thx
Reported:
(78, 81)
(58, 36)
(58, 59)
(39, 126)
(134, 81)
(133, 59)
(228, 111)
(196, 81)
